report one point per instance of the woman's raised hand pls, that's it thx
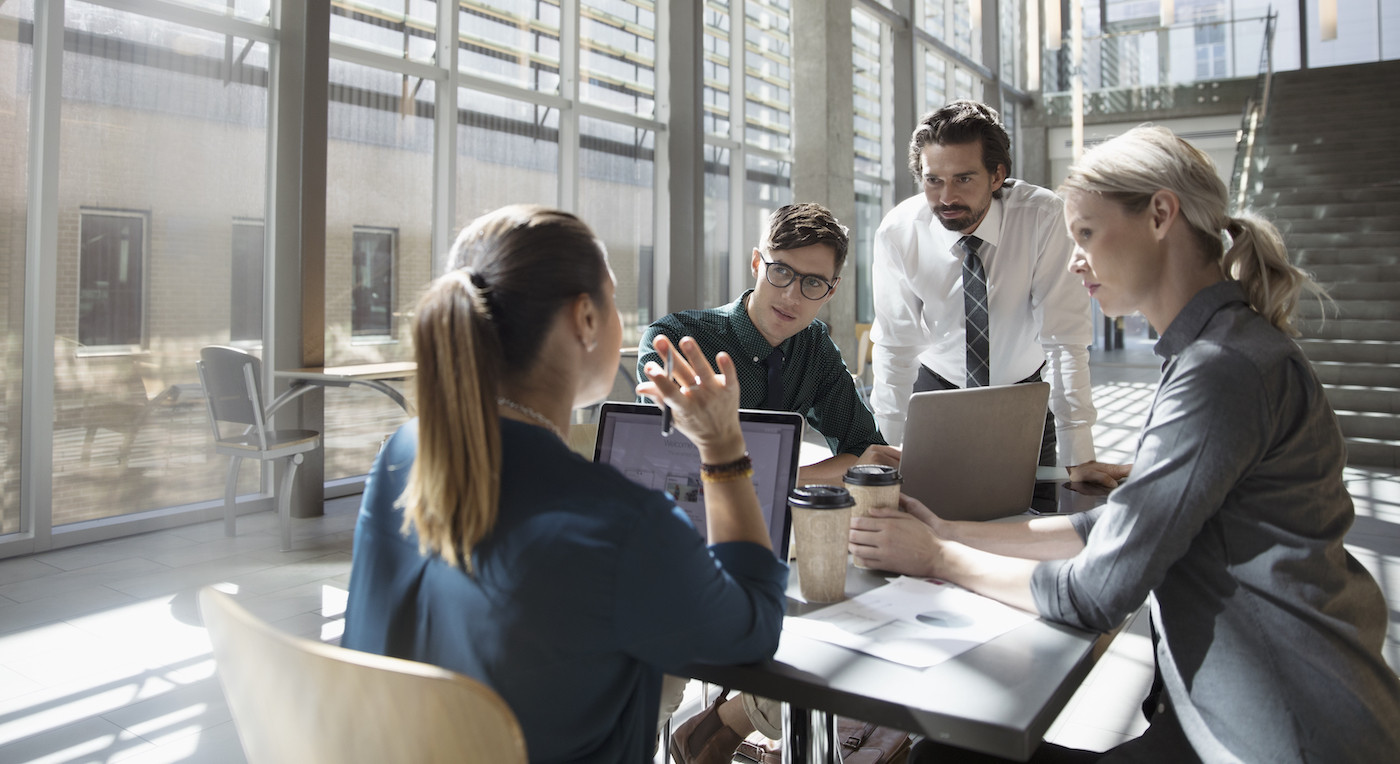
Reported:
(705, 404)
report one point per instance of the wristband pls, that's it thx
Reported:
(718, 473)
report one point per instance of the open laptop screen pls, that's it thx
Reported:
(630, 439)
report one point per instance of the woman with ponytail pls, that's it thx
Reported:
(1268, 633)
(486, 546)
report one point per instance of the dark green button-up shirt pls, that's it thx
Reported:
(816, 382)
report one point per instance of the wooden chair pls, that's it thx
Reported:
(233, 391)
(296, 701)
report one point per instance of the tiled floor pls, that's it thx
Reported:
(103, 658)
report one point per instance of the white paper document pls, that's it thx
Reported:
(911, 621)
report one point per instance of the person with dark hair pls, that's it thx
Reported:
(1268, 632)
(971, 289)
(486, 546)
(786, 361)
(785, 356)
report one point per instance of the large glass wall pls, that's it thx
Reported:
(16, 55)
(872, 168)
(617, 197)
(164, 140)
(379, 181)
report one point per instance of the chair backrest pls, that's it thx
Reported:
(232, 390)
(295, 700)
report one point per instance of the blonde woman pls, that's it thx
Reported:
(1269, 632)
(486, 546)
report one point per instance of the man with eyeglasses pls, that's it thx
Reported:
(786, 361)
(785, 357)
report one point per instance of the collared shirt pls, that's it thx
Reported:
(1038, 311)
(1233, 519)
(816, 381)
(588, 589)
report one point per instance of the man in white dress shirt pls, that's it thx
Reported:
(1038, 316)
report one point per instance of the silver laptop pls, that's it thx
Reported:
(971, 454)
(630, 439)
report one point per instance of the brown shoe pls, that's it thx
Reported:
(705, 738)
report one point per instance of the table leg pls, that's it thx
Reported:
(809, 737)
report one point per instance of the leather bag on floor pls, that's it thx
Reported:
(861, 743)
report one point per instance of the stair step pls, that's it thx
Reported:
(1364, 398)
(1350, 351)
(1369, 424)
(1344, 373)
(1373, 452)
(1347, 256)
(1268, 197)
(1340, 224)
(1360, 290)
(1332, 211)
(1351, 329)
(1361, 310)
(1329, 274)
(1347, 239)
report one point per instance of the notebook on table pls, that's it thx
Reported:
(630, 439)
(971, 454)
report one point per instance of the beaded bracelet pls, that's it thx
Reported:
(722, 473)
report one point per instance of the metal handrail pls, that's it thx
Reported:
(1249, 138)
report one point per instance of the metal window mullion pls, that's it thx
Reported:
(569, 44)
(445, 137)
(41, 284)
(364, 57)
(738, 157)
(190, 16)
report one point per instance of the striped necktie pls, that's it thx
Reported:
(974, 277)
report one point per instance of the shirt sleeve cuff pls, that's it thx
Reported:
(751, 562)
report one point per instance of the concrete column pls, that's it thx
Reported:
(823, 116)
(295, 308)
(681, 169)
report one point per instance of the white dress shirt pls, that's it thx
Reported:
(1038, 310)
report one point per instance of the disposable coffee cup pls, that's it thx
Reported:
(872, 485)
(821, 520)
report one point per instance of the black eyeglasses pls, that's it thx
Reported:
(813, 287)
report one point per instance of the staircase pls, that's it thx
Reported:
(1330, 178)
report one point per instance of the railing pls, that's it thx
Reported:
(1146, 67)
(1249, 141)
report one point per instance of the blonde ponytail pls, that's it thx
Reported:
(1258, 259)
(1131, 168)
(454, 486)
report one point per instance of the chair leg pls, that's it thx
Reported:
(231, 496)
(284, 501)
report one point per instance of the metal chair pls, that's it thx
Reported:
(233, 393)
(296, 700)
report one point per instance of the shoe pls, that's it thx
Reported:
(760, 753)
(705, 738)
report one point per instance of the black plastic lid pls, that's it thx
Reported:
(873, 474)
(821, 497)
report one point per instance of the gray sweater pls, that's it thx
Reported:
(1233, 519)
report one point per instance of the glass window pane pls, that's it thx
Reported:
(714, 269)
(767, 186)
(513, 144)
(716, 63)
(866, 57)
(111, 270)
(17, 57)
(372, 283)
(870, 209)
(163, 144)
(400, 28)
(379, 182)
(768, 74)
(935, 82)
(617, 199)
(247, 10)
(512, 41)
(617, 55)
(246, 287)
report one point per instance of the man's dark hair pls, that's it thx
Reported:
(801, 225)
(963, 122)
